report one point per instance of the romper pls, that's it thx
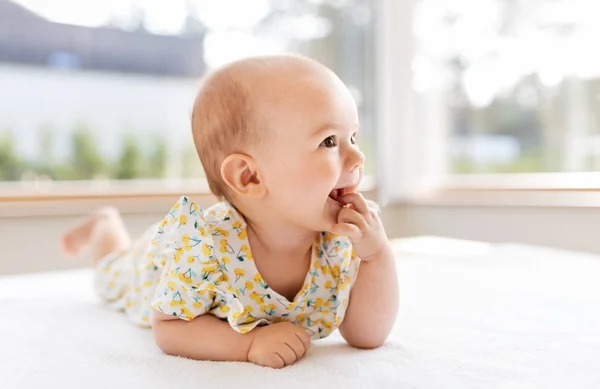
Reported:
(198, 261)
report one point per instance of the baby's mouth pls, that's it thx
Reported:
(336, 194)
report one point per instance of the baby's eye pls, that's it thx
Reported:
(328, 142)
(353, 139)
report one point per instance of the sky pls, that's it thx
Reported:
(228, 37)
(495, 62)
(164, 17)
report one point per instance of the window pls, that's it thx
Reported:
(467, 101)
(95, 93)
(515, 84)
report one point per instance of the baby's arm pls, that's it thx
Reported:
(373, 302)
(210, 339)
(205, 338)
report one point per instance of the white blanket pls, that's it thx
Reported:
(472, 316)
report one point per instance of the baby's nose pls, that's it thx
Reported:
(357, 159)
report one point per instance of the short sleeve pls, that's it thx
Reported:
(342, 271)
(183, 247)
(346, 264)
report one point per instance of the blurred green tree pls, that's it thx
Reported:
(11, 165)
(130, 164)
(157, 162)
(87, 162)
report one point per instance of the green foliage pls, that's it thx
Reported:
(130, 165)
(86, 160)
(157, 164)
(138, 158)
(11, 165)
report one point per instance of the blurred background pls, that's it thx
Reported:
(96, 94)
(102, 89)
(95, 90)
(519, 78)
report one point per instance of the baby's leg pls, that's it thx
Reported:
(98, 235)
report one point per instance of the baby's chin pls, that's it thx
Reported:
(330, 214)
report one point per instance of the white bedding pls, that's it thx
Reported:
(472, 316)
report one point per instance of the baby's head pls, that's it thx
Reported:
(277, 134)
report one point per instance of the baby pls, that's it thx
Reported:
(290, 253)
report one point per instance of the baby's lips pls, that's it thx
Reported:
(352, 189)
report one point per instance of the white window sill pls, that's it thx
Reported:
(526, 181)
(582, 198)
(105, 189)
(514, 190)
(82, 197)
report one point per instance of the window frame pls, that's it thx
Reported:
(412, 141)
(19, 193)
(410, 152)
(22, 199)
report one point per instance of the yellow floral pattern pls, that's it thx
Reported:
(198, 262)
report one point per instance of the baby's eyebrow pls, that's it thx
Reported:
(333, 126)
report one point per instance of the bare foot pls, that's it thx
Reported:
(99, 234)
(78, 237)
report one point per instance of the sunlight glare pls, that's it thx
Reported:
(226, 14)
(90, 13)
(223, 47)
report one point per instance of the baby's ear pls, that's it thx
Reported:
(240, 173)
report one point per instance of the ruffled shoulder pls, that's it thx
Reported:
(184, 224)
(339, 266)
(342, 261)
(191, 276)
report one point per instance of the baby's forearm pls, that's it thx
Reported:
(373, 302)
(203, 338)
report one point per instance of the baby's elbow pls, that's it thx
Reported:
(364, 339)
(163, 336)
(367, 343)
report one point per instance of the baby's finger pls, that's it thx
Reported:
(349, 215)
(356, 200)
(373, 206)
(346, 229)
(296, 345)
(304, 337)
(286, 353)
(273, 360)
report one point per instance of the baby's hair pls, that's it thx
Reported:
(222, 120)
(225, 116)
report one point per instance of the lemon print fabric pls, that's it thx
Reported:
(198, 261)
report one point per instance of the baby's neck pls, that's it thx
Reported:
(282, 256)
(279, 241)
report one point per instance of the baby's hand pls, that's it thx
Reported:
(278, 345)
(359, 220)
